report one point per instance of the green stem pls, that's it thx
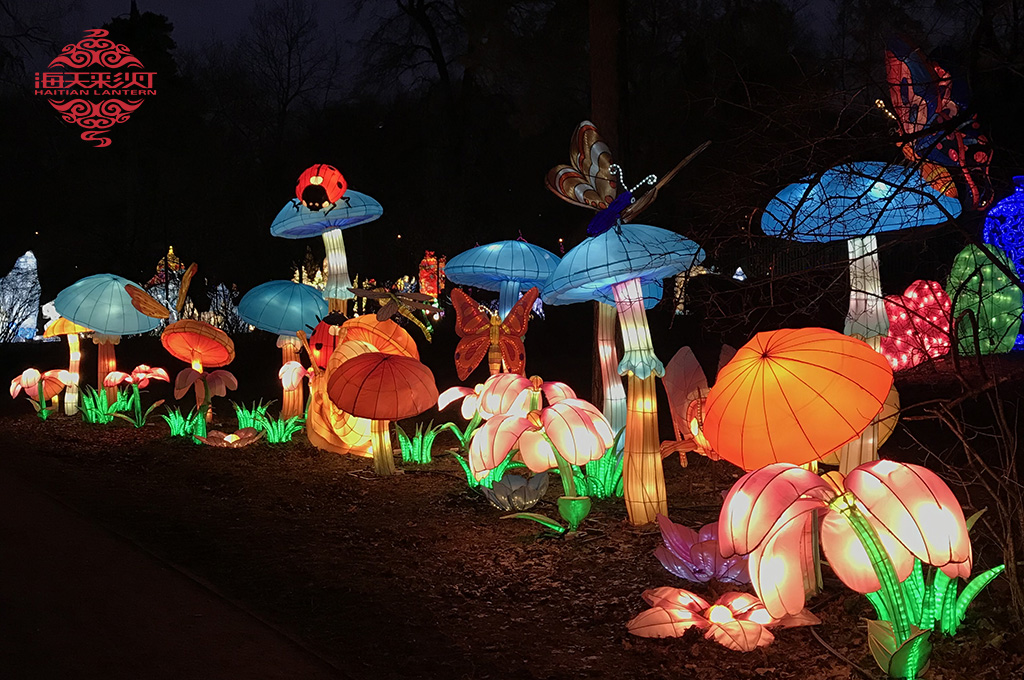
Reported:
(138, 404)
(891, 591)
(564, 470)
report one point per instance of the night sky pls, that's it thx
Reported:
(207, 163)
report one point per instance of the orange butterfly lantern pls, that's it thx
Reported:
(486, 333)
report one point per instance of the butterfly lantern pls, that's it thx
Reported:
(593, 180)
(937, 132)
(483, 332)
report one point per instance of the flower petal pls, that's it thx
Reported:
(848, 559)
(678, 539)
(675, 598)
(579, 434)
(115, 378)
(662, 623)
(499, 391)
(184, 380)
(775, 564)
(536, 451)
(742, 636)
(492, 442)
(452, 394)
(758, 500)
(677, 566)
(555, 392)
(917, 507)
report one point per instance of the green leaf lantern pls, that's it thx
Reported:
(976, 285)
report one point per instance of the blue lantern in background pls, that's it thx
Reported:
(1004, 224)
(1004, 228)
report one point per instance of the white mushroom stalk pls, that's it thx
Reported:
(338, 280)
(614, 402)
(867, 317)
(638, 357)
(642, 474)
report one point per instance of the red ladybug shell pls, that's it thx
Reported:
(327, 177)
(324, 340)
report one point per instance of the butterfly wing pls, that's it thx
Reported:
(146, 303)
(469, 320)
(470, 352)
(513, 353)
(517, 319)
(588, 181)
(955, 162)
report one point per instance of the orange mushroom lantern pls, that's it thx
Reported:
(62, 326)
(382, 387)
(200, 345)
(794, 396)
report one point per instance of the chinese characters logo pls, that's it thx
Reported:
(99, 84)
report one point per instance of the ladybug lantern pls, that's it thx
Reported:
(320, 187)
(325, 339)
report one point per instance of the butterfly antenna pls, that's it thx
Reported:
(616, 170)
(880, 104)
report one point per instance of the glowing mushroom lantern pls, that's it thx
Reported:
(103, 303)
(62, 326)
(853, 203)
(794, 396)
(619, 262)
(382, 387)
(312, 214)
(508, 267)
(200, 345)
(285, 308)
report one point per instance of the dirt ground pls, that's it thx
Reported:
(415, 576)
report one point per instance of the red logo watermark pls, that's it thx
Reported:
(99, 84)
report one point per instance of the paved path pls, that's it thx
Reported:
(79, 602)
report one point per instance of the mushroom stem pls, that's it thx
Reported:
(868, 319)
(508, 295)
(642, 474)
(638, 358)
(74, 362)
(197, 366)
(867, 316)
(614, 404)
(106, 362)
(383, 459)
(292, 401)
(338, 281)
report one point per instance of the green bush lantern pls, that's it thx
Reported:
(986, 303)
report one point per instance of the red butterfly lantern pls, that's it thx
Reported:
(937, 133)
(485, 333)
(320, 186)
